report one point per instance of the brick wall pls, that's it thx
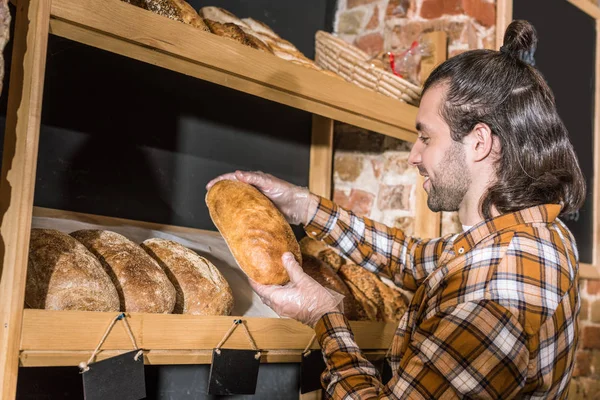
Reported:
(371, 175)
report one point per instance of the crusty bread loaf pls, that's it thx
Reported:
(200, 287)
(366, 289)
(63, 275)
(324, 275)
(236, 33)
(394, 304)
(256, 43)
(311, 246)
(221, 15)
(141, 283)
(260, 27)
(380, 301)
(228, 30)
(178, 10)
(254, 229)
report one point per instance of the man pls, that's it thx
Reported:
(495, 310)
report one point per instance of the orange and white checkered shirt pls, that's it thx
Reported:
(494, 315)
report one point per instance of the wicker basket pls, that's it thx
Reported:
(352, 64)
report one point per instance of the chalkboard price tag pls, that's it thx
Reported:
(386, 374)
(311, 368)
(116, 378)
(233, 372)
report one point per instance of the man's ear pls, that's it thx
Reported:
(482, 142)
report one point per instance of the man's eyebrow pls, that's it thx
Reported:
(421, 127)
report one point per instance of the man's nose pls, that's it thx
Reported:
(414, 158)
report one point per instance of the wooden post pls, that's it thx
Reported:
(504, 16)
(17, 181)
(321, 156)
(428, 223)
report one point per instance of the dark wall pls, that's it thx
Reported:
(127, 139)
(566, 56)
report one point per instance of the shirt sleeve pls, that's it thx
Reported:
(475, 349)
(376, 247)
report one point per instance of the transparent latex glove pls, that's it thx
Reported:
(293, 201)
(302, 299)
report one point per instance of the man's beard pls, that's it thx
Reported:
(451, 183)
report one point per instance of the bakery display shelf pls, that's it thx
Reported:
(62, 338)
(130, 31)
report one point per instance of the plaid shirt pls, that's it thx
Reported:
(494, 314)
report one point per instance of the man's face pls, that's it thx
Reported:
(441, 160)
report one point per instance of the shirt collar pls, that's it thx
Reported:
(465, 241)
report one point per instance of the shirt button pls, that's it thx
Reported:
(314, 233)
(461, 250)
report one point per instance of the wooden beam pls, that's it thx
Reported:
(321, 156)
(587, 7)
(59, 337)
(17, 180)
(504, 16)
(427, 223)
(439, 52)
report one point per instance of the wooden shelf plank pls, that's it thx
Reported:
(173, 45)
(61, 337)
(31, 358)
(586, 6)
(54, 338)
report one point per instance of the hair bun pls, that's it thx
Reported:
(520, 41)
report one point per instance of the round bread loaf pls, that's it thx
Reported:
(362, 284)
(254, 229)
(63, 275)
(200, 287)
(178, 10)
(141, 283)
(221, 15)
(323, 274)
(260, 27)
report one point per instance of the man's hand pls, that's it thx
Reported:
(302, 299)
(293, 201)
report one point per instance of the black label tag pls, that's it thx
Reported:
(387, 373)
(116, 378)
(311, 368)
(233, 372)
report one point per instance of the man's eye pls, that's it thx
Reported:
(425, 140)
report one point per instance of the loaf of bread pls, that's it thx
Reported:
(254, 229)
(221, 15)
(178, 10)
(236, 33)
(141, 283)
(260, 27)
(324, 275)
(394, 304)
(63, 275)
(200, 287)
(380, 301)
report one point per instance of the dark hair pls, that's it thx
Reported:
(502, 89)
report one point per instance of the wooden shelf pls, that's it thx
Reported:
(65, 338)
(61, 338)
(157, 40)
(588, 7)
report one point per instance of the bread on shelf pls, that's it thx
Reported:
(63, 275)
(381, 301)
(236, 33)
(200, 288)
(141, 283)
(221, 15)
(324, 275)
(254, 230)
(178, 10)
